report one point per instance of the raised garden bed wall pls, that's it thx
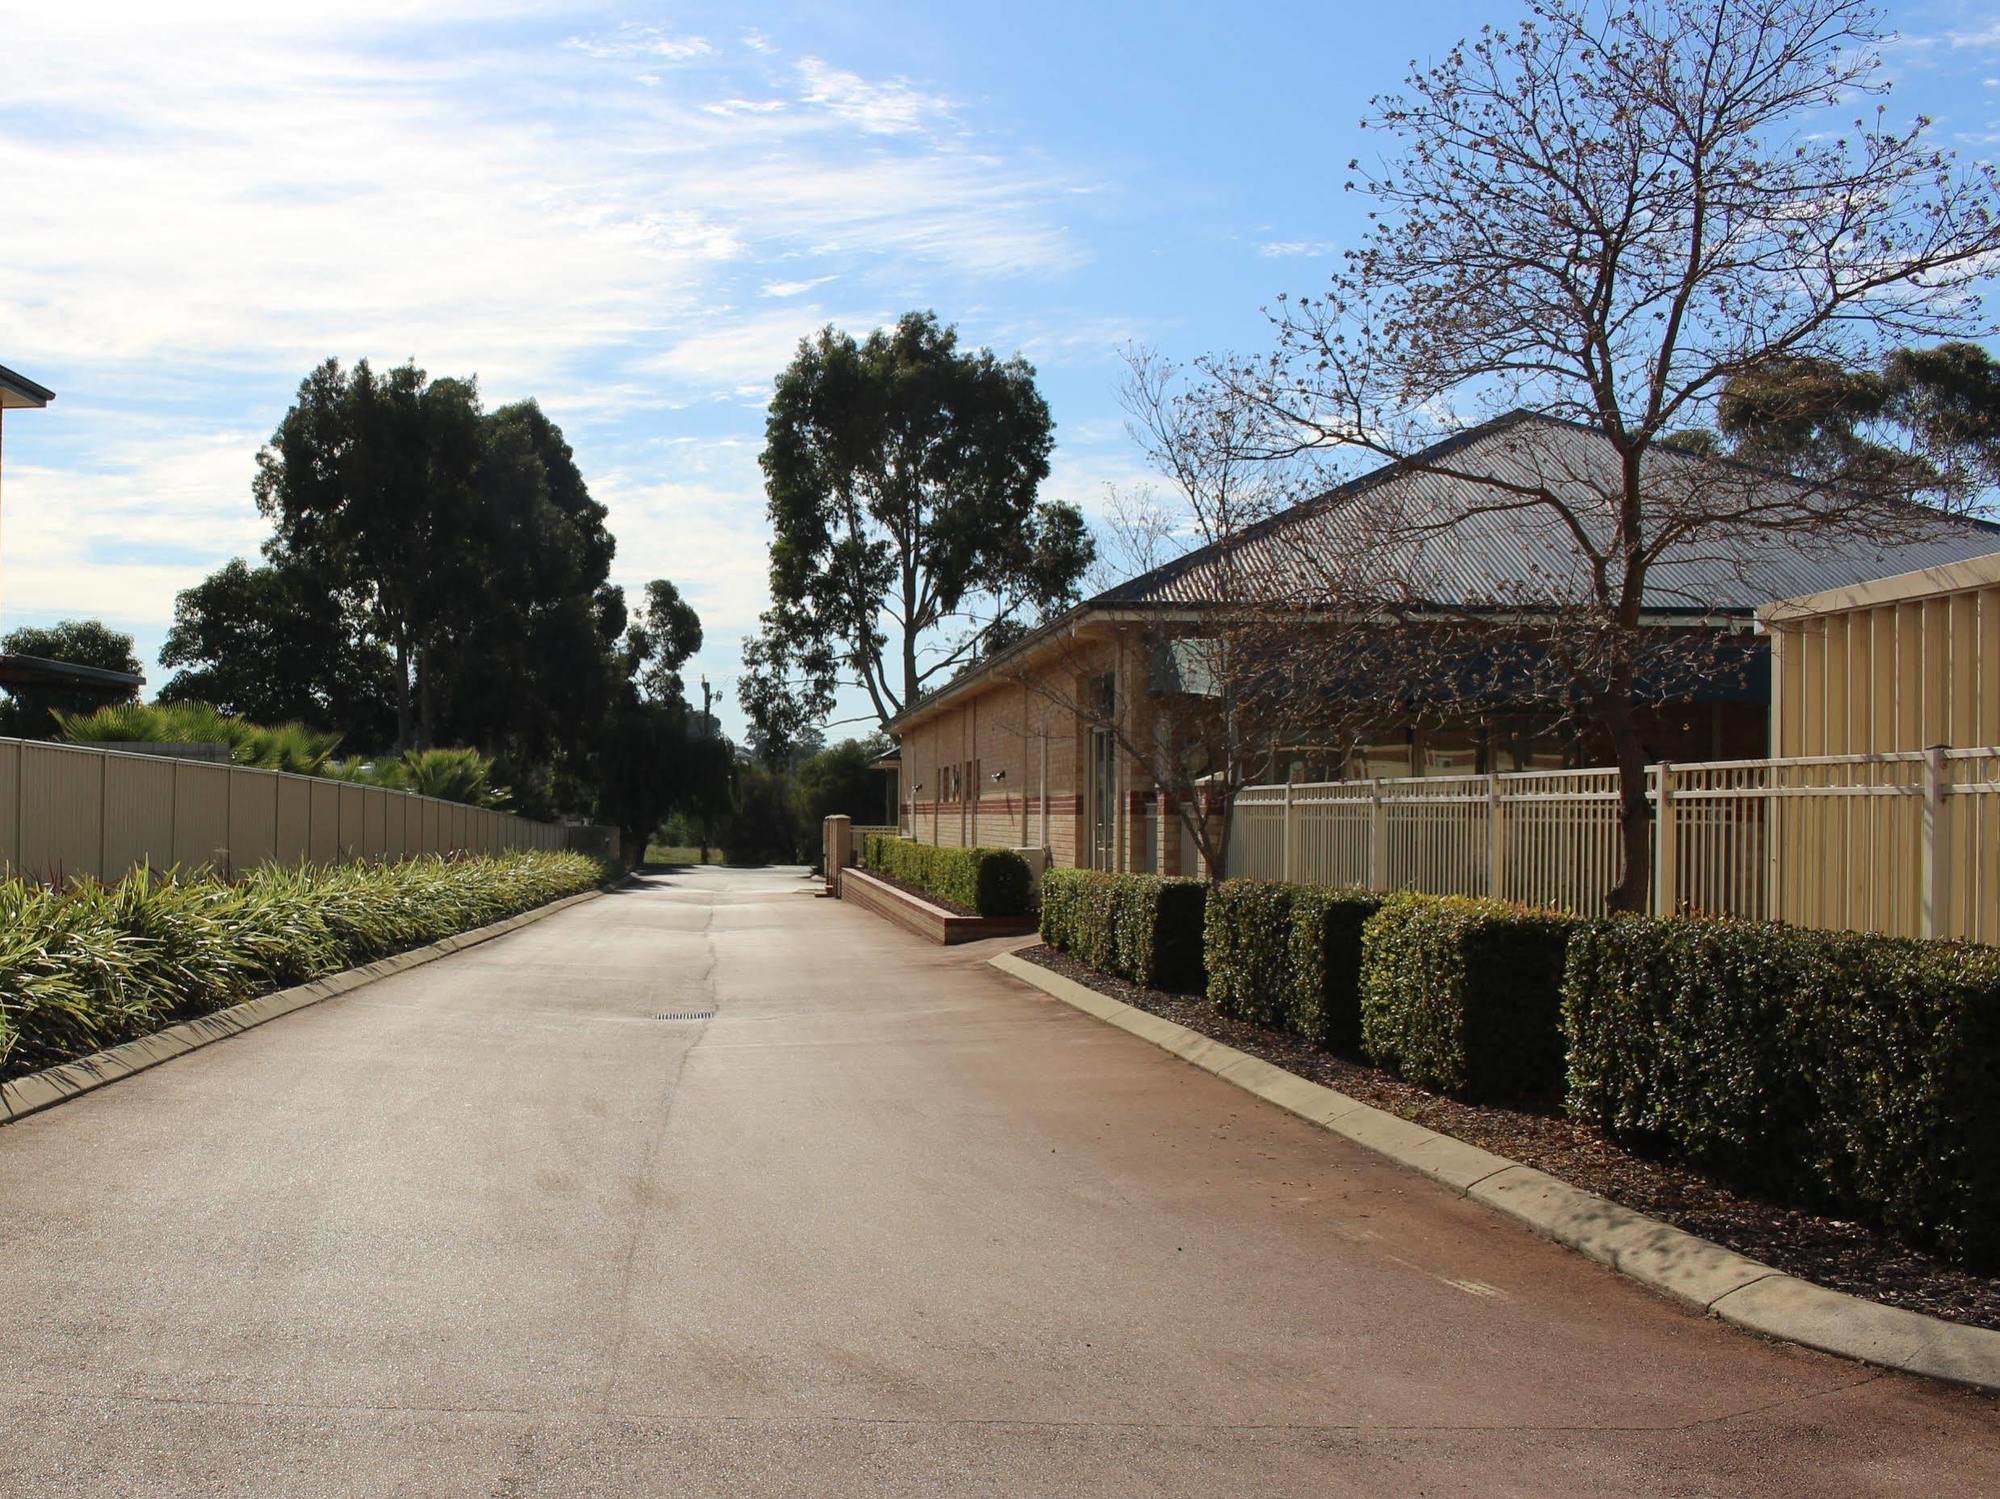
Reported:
(926, 918)
(975, 881)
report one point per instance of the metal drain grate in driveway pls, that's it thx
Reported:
(686, 1015)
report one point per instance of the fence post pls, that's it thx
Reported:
(1377, 837)
(1496, 840)
(1666, 842)
(836, 840)
(1285, 856)
(1936, 860)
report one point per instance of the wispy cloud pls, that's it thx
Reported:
(793, 288)
(881, 108)
(629, 223)
(1281, 248)
(648, 42)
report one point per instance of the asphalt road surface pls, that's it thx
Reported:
(888, 1223)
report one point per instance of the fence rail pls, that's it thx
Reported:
(1906, 843)
(72, 812)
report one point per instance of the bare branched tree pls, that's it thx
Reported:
(1603, 215)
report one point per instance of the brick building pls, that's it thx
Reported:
(992, 759)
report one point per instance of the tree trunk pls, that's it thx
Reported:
(402, 694)
(426, 699)
(1635, 811)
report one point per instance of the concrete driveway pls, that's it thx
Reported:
(886, 1224)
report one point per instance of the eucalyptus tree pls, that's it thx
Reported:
(902, 476)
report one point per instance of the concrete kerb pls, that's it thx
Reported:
(1681, 1265)
(53, 1085)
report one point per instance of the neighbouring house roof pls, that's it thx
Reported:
(18, 390)
(1475, 556)
(1899, 588)
(38, 671)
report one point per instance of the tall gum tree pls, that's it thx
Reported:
(902, 476)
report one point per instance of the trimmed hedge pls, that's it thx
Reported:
(1138, 926)
(94, 965)
(989, 881)
(1853, 1072)
(1326, 963)
(1464, 995)
(1247, 936)
(1159, 926)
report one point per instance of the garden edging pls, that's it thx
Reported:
(1690, 1269)
(53, 1085)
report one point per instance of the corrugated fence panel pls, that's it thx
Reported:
(62, 812)
(325, 846)
(10, 803)
(138, 813)
(74, 812)
(294, 837)
(253, 819)
(353, 801)
(201, 814)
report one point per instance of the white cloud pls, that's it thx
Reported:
(744, 354)
(643, 42)
(885, 108)
(1288, 247)
(202, 201)
(120, 536)
(793, 288)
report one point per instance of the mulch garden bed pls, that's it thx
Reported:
(1831, 1252)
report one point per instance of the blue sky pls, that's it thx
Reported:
(633, 214)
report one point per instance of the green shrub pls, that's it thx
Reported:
(289, 746)
(1138, 926)
(1158, 931)
(989, 881)
(1247, 947)
(1326, 963)
(1852, 1072)
(1464, 995)
(93, 965)
(1062, 895)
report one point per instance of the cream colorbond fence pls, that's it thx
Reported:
(1906, 843)
(72, 812)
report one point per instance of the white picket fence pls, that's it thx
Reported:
(1907, 844)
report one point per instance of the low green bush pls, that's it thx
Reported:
(1142, 927)
(1158, 940)
(1464, 995)
(94, 965)
(1062, 895)
(1247, 947)
(989, 881)
(1855, 1073)
(1326, 963)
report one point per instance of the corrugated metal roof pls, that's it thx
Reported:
(1450, 528)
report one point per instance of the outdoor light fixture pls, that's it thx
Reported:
(999, 775)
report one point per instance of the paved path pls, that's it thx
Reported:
(888, 1224)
